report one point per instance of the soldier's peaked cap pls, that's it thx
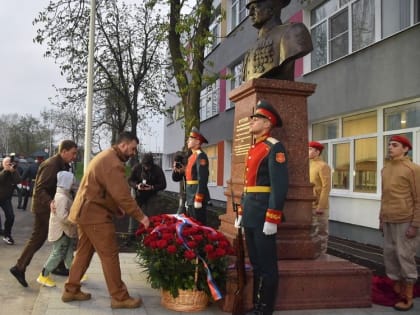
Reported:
(266, 110)
(195, 133)
(281, 3)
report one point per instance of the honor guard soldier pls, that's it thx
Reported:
(265, 189)
(196, 174)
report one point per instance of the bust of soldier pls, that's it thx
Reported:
(278, 45)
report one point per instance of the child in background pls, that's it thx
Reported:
(61, 232)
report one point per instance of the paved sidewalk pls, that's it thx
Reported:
(38, 300)
(49, 299)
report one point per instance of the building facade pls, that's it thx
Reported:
(366, 65)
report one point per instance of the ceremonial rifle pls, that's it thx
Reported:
(238, 302)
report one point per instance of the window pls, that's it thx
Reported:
(341, 166)
(216, 31)
(209, 101)
(238, 13)
(325, 130)
(395, 16)
(235, 81)
(360, 124)
(339, 35)
(365, 165)
(340, 27)
(363, 23)
(356, 154)
(403, 116)
(211, 152)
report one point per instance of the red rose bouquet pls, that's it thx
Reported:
(179, 253)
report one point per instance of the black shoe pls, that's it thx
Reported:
(19, 275)
(9, 240)
(60, 271)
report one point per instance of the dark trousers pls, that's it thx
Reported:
(262, 251)
(198, 214)
(37, 239)
(23, 196)
(7, 207)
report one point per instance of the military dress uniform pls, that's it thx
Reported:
(265, 189)
(196, 176)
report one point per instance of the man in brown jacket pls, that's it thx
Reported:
(44, 191)
(400, 219)
(103, 194)
(320, 177)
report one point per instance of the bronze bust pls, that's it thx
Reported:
(278, 45)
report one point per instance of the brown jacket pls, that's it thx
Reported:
(320, 177)
(400, 200)
(46, 183)
(104, 192)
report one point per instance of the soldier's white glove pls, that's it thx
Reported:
(198, 205)
(238, 222)
(269, 228)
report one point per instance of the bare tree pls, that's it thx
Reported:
(129, 57)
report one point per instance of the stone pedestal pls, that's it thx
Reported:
(325, 282)
(295, 238)
(307, 280)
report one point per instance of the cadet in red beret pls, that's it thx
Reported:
(316, 145)
(320, 177)
(196, 175)
(399, 219)
(403, 140)
(265, 189)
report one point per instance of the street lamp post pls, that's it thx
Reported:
(89, 95)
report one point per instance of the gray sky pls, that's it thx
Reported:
(27, 78)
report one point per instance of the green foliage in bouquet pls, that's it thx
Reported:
(175, 250)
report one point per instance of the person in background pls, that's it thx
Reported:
(147, 179)
(320, 177)
(178, 170)
(44, 192)
(103, 194)
(196, 174)
(265, 187)
(399, 219)
(28, 178)
(61, 232)
(9, 178)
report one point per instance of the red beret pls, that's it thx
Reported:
(316, 145)
(403, 140)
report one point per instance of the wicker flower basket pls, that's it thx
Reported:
(186, 301)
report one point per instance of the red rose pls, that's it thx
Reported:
(189, 254)
(171, 249)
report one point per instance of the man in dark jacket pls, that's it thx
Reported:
(44, 191)
(147, 179)
(9, 178)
